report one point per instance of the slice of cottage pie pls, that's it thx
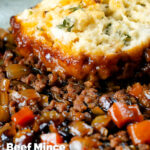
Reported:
(82, 37)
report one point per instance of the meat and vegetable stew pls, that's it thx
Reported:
(37, 106)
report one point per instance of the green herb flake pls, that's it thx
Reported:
(143, 5)
(39, 28)
(127, 39)
(73, 9)
(107, 29)
(67, 24)
(30, 12)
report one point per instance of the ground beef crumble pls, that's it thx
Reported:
(68, 107)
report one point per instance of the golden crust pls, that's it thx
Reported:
(78, 67)
(82, 37)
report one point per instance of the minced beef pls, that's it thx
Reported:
(78, 111)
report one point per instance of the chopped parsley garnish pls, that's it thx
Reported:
(30, 12)
(143, 5)
(66, 24)
(39, 28)
(107, 29)
(127, 39)
(73, 9)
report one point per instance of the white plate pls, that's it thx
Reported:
(10, 8)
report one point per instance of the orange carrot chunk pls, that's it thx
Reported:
(140, 132)
(137, 117)
(122, 114)
(23, 117)
(51, 139)
(136, 90)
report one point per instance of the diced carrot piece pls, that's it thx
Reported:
(51, 139)
(53, 128)
(137, 117)
(140, 132)
(23, 117)
(122, 114)
(136, 90)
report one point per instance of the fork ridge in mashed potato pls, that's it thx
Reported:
(82, 37)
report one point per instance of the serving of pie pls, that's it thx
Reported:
(76, 74)
(78, 37)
